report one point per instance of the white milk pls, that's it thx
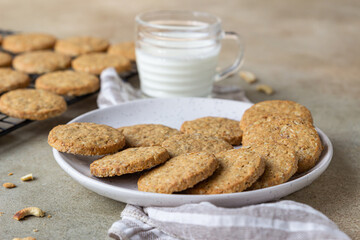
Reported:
(177, 68)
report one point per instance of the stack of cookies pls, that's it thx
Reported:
(200, 158)
(34, 54)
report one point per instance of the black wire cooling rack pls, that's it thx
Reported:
(9, 124)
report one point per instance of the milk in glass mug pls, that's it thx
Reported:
(177, 53)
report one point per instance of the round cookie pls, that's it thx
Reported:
(238, 170)
(38, 62)
(95, 63)
(32, 104)
(5, 59)
(178, 173)
(145, 135)
(297, 134)
(10, 79)
(281, 108)
(126, 49)
(281, 164)
(224, 128)
(25, 42)
(188, 143)
(68, 83)
(75, 46)
(86, 139)
(129, 161)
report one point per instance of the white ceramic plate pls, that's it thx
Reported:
(173, 112)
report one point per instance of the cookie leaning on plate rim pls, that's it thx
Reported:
(87, 139)
(68, 83)
(32, 104)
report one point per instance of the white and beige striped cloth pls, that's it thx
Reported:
(281, 220)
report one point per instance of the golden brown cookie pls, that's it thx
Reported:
(297, 134)
(25, 42)
(274, 109)
(238, 170)
(75, 46)
(10, 79)
(126, 49)
(281, 164)
(95, 63)
(224, 128)
(129, 161)
(32, 104)
(178, 173)
(145, 135)
(86, 139)
(5, 59)
(68, 83)
(188, 143)
(41, 62)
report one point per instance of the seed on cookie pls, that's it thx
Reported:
(188, 143)
(95, 63)
(38, 62)
(129, 161)
(75, 46)
(144, 135)
(5, 59)
(300, 135)
(224, 128)
(32, 104)
(126, 49)
(238, 170)
(25, 42)
(68, 83)
(86, 139)
(178, 173)
(266, 109)
(281, 164)
(10, 80)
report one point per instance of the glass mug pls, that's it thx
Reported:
(177, 53)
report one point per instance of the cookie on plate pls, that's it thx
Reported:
(32, 104)
(38, 62)
(10, 79)
(129, 161)
(274, 109)
(188, 143)
(145, 135)
(281, 164)
(224, 128)
(75, 46)
(297, 134)
(95, 63)
(238, 170)
(126, 49)
(68, 83)
(178, 173)
(86, 139)
(25, 42)
(5, 59)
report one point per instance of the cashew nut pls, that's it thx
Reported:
(265, 88)
(34, 211)
(27, 238)
(9, 185)
(249, 77)
(28, 177)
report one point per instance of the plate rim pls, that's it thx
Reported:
(112, 190)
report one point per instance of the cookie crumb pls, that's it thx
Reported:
(9, 174)
(49, 216)
(9, 185)
(1, 213)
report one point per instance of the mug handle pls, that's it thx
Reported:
(226, 72)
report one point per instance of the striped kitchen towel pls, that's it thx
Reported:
(280, 220)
